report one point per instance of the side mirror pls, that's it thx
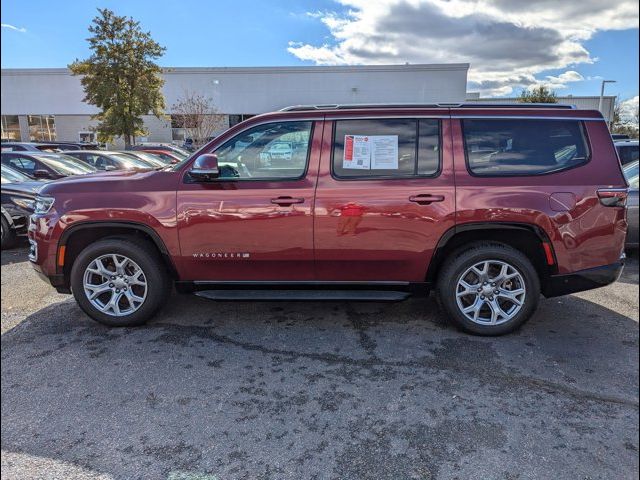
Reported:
(205, 168)
(110, 168)
(41, 174)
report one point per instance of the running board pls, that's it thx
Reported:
(304, 295)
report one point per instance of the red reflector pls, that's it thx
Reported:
(613, 197)
(548, 253)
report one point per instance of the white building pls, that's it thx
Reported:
(46, 104)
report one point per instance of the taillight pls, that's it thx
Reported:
(613, 197)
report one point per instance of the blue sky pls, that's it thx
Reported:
(570, 47)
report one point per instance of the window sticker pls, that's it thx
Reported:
(384, 152)
(370, 152)
(357, 152)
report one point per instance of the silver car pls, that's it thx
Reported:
(631, 173)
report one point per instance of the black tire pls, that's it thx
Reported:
(8, 234)
(465, 258)
(147, 258)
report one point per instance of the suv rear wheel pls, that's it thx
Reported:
(119, 282)
(489, 289)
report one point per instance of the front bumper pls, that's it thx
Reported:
(582, 280)
(42, 253)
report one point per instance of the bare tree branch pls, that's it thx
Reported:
(197, 115)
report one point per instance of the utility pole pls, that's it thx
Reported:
(600, 103)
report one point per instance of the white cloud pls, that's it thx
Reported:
(13, 27)
(629, 110)
(507, 42)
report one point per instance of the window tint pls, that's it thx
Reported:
(274, 150)
(401, 147)
(628, 154)
(23, 163)
(523, 147)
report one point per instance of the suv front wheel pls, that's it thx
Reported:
(489, 289)
(119, 282)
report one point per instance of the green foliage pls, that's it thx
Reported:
(120, 77)
(539, 94)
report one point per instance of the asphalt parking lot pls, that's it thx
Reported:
(316, 390)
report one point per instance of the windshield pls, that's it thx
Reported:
(13, 176)
(150, 158)
(65, 165)
(178, 152)
(130, 161)
(631, 173)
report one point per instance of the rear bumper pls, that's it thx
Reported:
(582, 280)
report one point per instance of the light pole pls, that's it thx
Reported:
(604, 82)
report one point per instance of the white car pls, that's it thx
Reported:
(276, 151)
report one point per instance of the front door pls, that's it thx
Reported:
(254, 223)
(385, 196)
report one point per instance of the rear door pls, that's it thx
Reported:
(385, 196)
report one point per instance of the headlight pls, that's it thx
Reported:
(43, 205)
(26, 203)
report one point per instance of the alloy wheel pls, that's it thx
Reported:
(491, 292)
(115, 285)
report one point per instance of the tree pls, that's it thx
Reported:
(539, 94)
(120, 77)
(197, 115)
(622, 125)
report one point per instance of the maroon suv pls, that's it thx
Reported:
(490, 205)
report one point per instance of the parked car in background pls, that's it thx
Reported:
(165, 155)
(490, 205)
(178, 152)
(106, 160)
(147, 157)
(77, 145)
(627, 151)
(45, 165)
(18, 199)
(631, 173)
(29, 147)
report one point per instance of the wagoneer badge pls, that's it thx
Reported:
(221, 255)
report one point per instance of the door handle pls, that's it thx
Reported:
(286, 201)
(426, 199)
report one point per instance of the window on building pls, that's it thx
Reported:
(274, 150)
(523, 147)
(394, 147)
(237, 118)
(10, 128)
(42, 128)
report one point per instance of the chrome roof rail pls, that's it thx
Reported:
(367, 106)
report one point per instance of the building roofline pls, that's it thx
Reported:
(414, 67)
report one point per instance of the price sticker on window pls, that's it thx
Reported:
(357, 152)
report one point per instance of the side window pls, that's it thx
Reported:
(275, 150)
(400, 147)
(628, 154)
(523, 147)
(23, 163)
(91, 159)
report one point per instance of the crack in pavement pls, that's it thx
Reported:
(425, 362)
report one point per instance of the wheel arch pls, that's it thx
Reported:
(527, 238)
(76, 237)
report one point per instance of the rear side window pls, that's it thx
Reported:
(389, 148)
(515, 147)
(628, 154)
